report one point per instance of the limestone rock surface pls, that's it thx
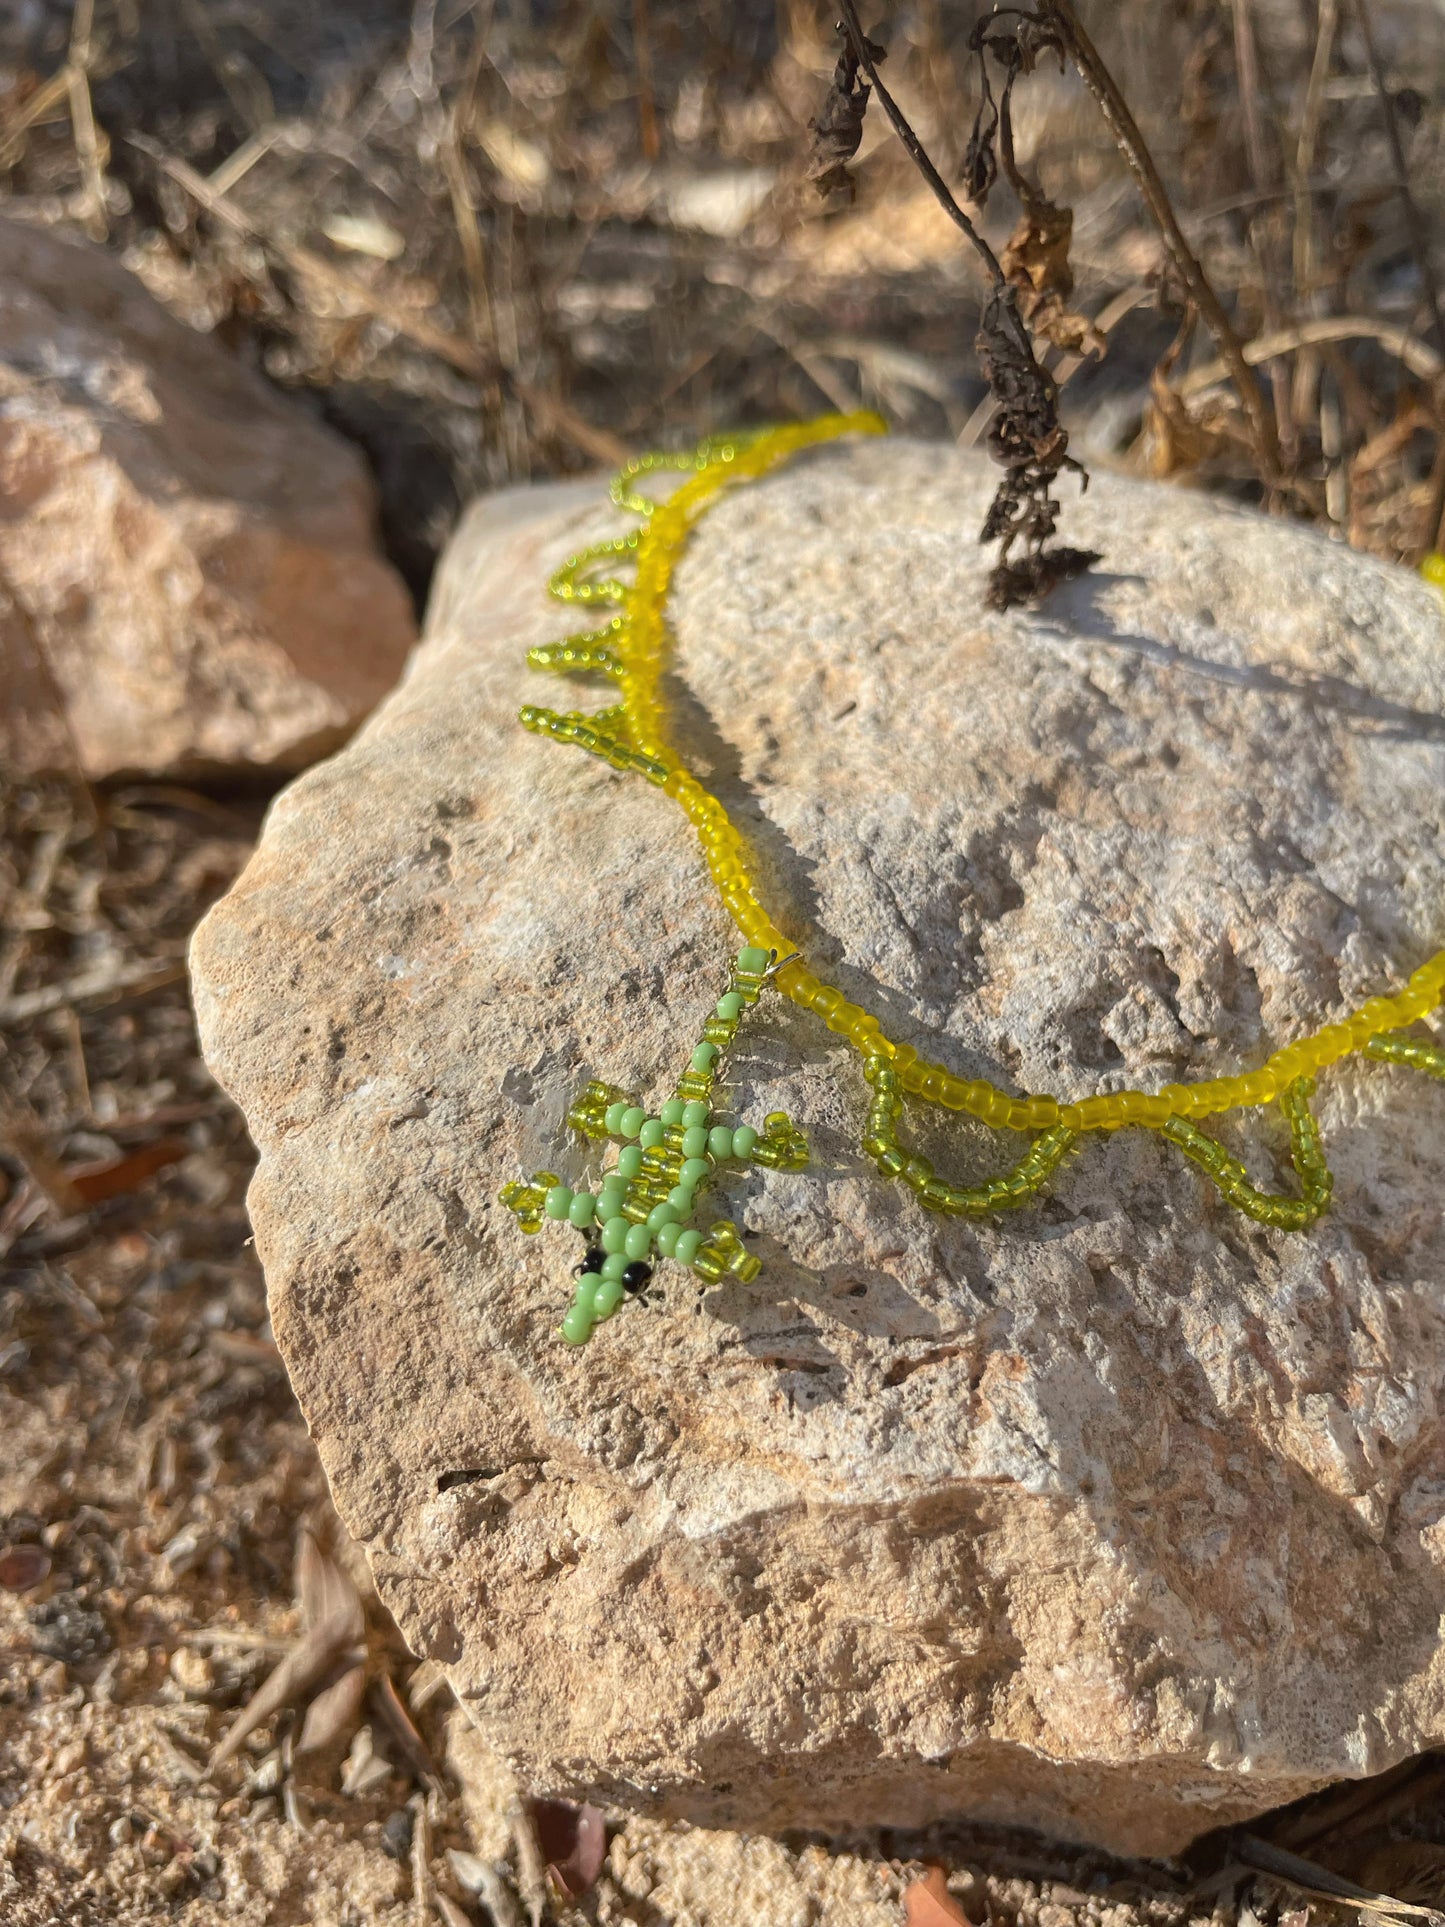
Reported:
(1123, 1518)
(193, 557)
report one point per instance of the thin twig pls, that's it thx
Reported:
(916, 151)
(1416, 355)
(1131, 144)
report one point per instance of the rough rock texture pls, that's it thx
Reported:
(194, 555)
(1123, 1518)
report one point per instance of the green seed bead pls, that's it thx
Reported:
(704, 1057)
(577, 1326)
(609, 1198)
(610, 1294)
(752, 961)
(730, 1007)
(629, 1160)
(580, 1211)
(558, 1201)
(633, 1120)
(662, 1214)
(612, 1117)
(614, 1264)
(694, 1171)
(667, 1239)
(744, 1138)
(672, 1111)
(696, 1112)
(614, 1234)
(586, 1291)
(650, 1136)
(681, 1200)
(687, 1246)
(694, 1141)
(638, 1241)
(720, 1141)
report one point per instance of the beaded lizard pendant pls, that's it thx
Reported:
(652, 1193)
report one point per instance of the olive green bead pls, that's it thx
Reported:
(694, 1141)
(612, 1117)
(730, 1007)
(667, 1239)
(557, 1202)
(650, 1136)
(577, 1326)
(694, 1171)
(633, 1120)
(704, 1057)
(744, 1138)
(720, 1141)
(614, 1234)
(660, 1215)
(672, 1110)
(610, 1294)
(614, 1264)
(687, 1246)
(629, 1160)
(581, 1209)
(752, 961)
(638, 1242)
(696, 1112)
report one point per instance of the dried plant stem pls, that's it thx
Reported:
(1122, 125)
(917, 152)
(1433, 535)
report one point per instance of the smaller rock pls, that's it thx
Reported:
(396, 1833)
(189, 572)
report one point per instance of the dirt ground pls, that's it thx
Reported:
(491, 242)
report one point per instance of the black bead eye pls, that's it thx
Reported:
(591, 1262)
(636, 1276)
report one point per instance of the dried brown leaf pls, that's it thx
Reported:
(1035, 260)
(323, 1590)
(333, 1716)
(928, 1903)
(573, 1841)
(385, 1699)
(298, 1672)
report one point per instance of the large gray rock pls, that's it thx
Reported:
(190, 577)
(1123, 1518)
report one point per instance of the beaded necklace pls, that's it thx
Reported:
(646, 1204)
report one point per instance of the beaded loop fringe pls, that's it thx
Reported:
(646, 1203)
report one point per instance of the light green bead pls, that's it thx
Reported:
(704, 1057)
(586, 1291)
(612, 1117)
(577, 1326)
(696, 1112)
(610, 1294)
(629, 1160)
(694, 1171)
(614, 1265)
(752, 961)
(614, 1234)
(686, 1248)
(744, 1138)
(557, 1202)
(580, 1211)
(638, 1241)
(681, 1199)
(650, 1136)
(720, 1141)
(609, 1200)
(667, 1239)
(730, 1006)
(633, 1120)
(694, 1141)
(672, 1110)
(660, 1215)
